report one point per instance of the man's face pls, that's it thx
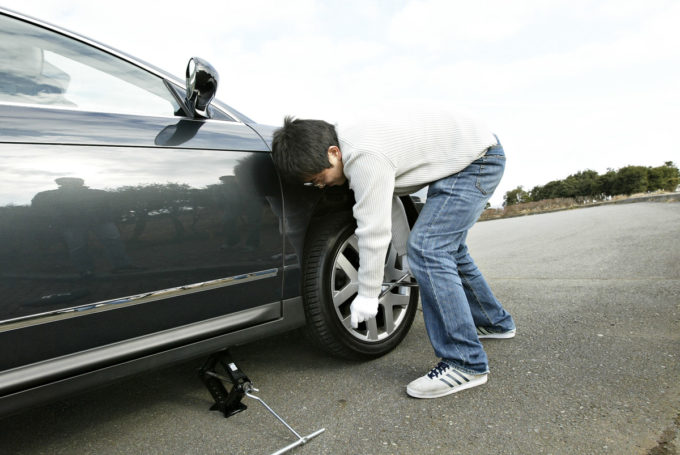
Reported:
(333, 175)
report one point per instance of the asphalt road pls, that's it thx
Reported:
(594, 368)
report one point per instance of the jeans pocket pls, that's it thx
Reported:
(491, 169)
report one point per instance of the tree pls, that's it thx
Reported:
(588, 184)
(673, 176)
(516, 196)
(605, 183)
(630, 180)
(555, 189)
(663, 177)
(536, 193)
(584, 183)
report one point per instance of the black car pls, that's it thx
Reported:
(143, 223)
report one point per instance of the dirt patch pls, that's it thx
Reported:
(669, 443)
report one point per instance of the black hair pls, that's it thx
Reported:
(300, 147)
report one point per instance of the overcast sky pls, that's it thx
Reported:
(567, 85)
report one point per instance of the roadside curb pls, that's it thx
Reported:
(671, 197)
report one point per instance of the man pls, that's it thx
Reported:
(462, 163)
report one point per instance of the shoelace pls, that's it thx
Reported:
(439, 369)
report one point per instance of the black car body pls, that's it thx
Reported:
(140, 228)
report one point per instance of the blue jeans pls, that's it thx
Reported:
(454, 294)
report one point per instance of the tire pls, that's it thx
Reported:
(330, 284)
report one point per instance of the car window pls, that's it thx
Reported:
(39, 66)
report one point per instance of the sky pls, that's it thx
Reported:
(567, 85)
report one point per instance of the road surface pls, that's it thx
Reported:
(594, 368)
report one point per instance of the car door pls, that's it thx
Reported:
(120, 217)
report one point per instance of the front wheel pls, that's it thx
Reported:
(330, 271)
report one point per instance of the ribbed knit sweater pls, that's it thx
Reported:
(399, 154)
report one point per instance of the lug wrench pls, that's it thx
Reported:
(400, 283)
(301, 439)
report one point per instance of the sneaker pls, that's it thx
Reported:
(443, 380)
(485, 333)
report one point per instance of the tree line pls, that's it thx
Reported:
(589, 185)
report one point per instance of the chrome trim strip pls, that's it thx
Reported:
(122, 302)
(122, 55)
(55, 369)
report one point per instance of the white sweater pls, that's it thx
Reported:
(397, 155)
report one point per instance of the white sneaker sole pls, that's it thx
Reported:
(472, 383)
(497, 336)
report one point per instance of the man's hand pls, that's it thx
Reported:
(363, 309)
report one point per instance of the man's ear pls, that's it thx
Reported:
(334, 151)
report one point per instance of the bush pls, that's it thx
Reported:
(588, 185)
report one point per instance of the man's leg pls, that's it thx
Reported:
(487, 312)
(452, 207)
(434, 241)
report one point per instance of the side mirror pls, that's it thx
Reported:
(202, 81)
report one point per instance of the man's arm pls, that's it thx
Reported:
(372, 180)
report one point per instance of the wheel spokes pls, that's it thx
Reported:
(372, 332)
(345, 285)
(344, 294)
(394, 300)
(346, 266)
(397, 300)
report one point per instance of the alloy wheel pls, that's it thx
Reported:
(344, 287)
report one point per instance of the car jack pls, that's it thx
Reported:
(229, 402)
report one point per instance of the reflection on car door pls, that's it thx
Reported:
(116, 227)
